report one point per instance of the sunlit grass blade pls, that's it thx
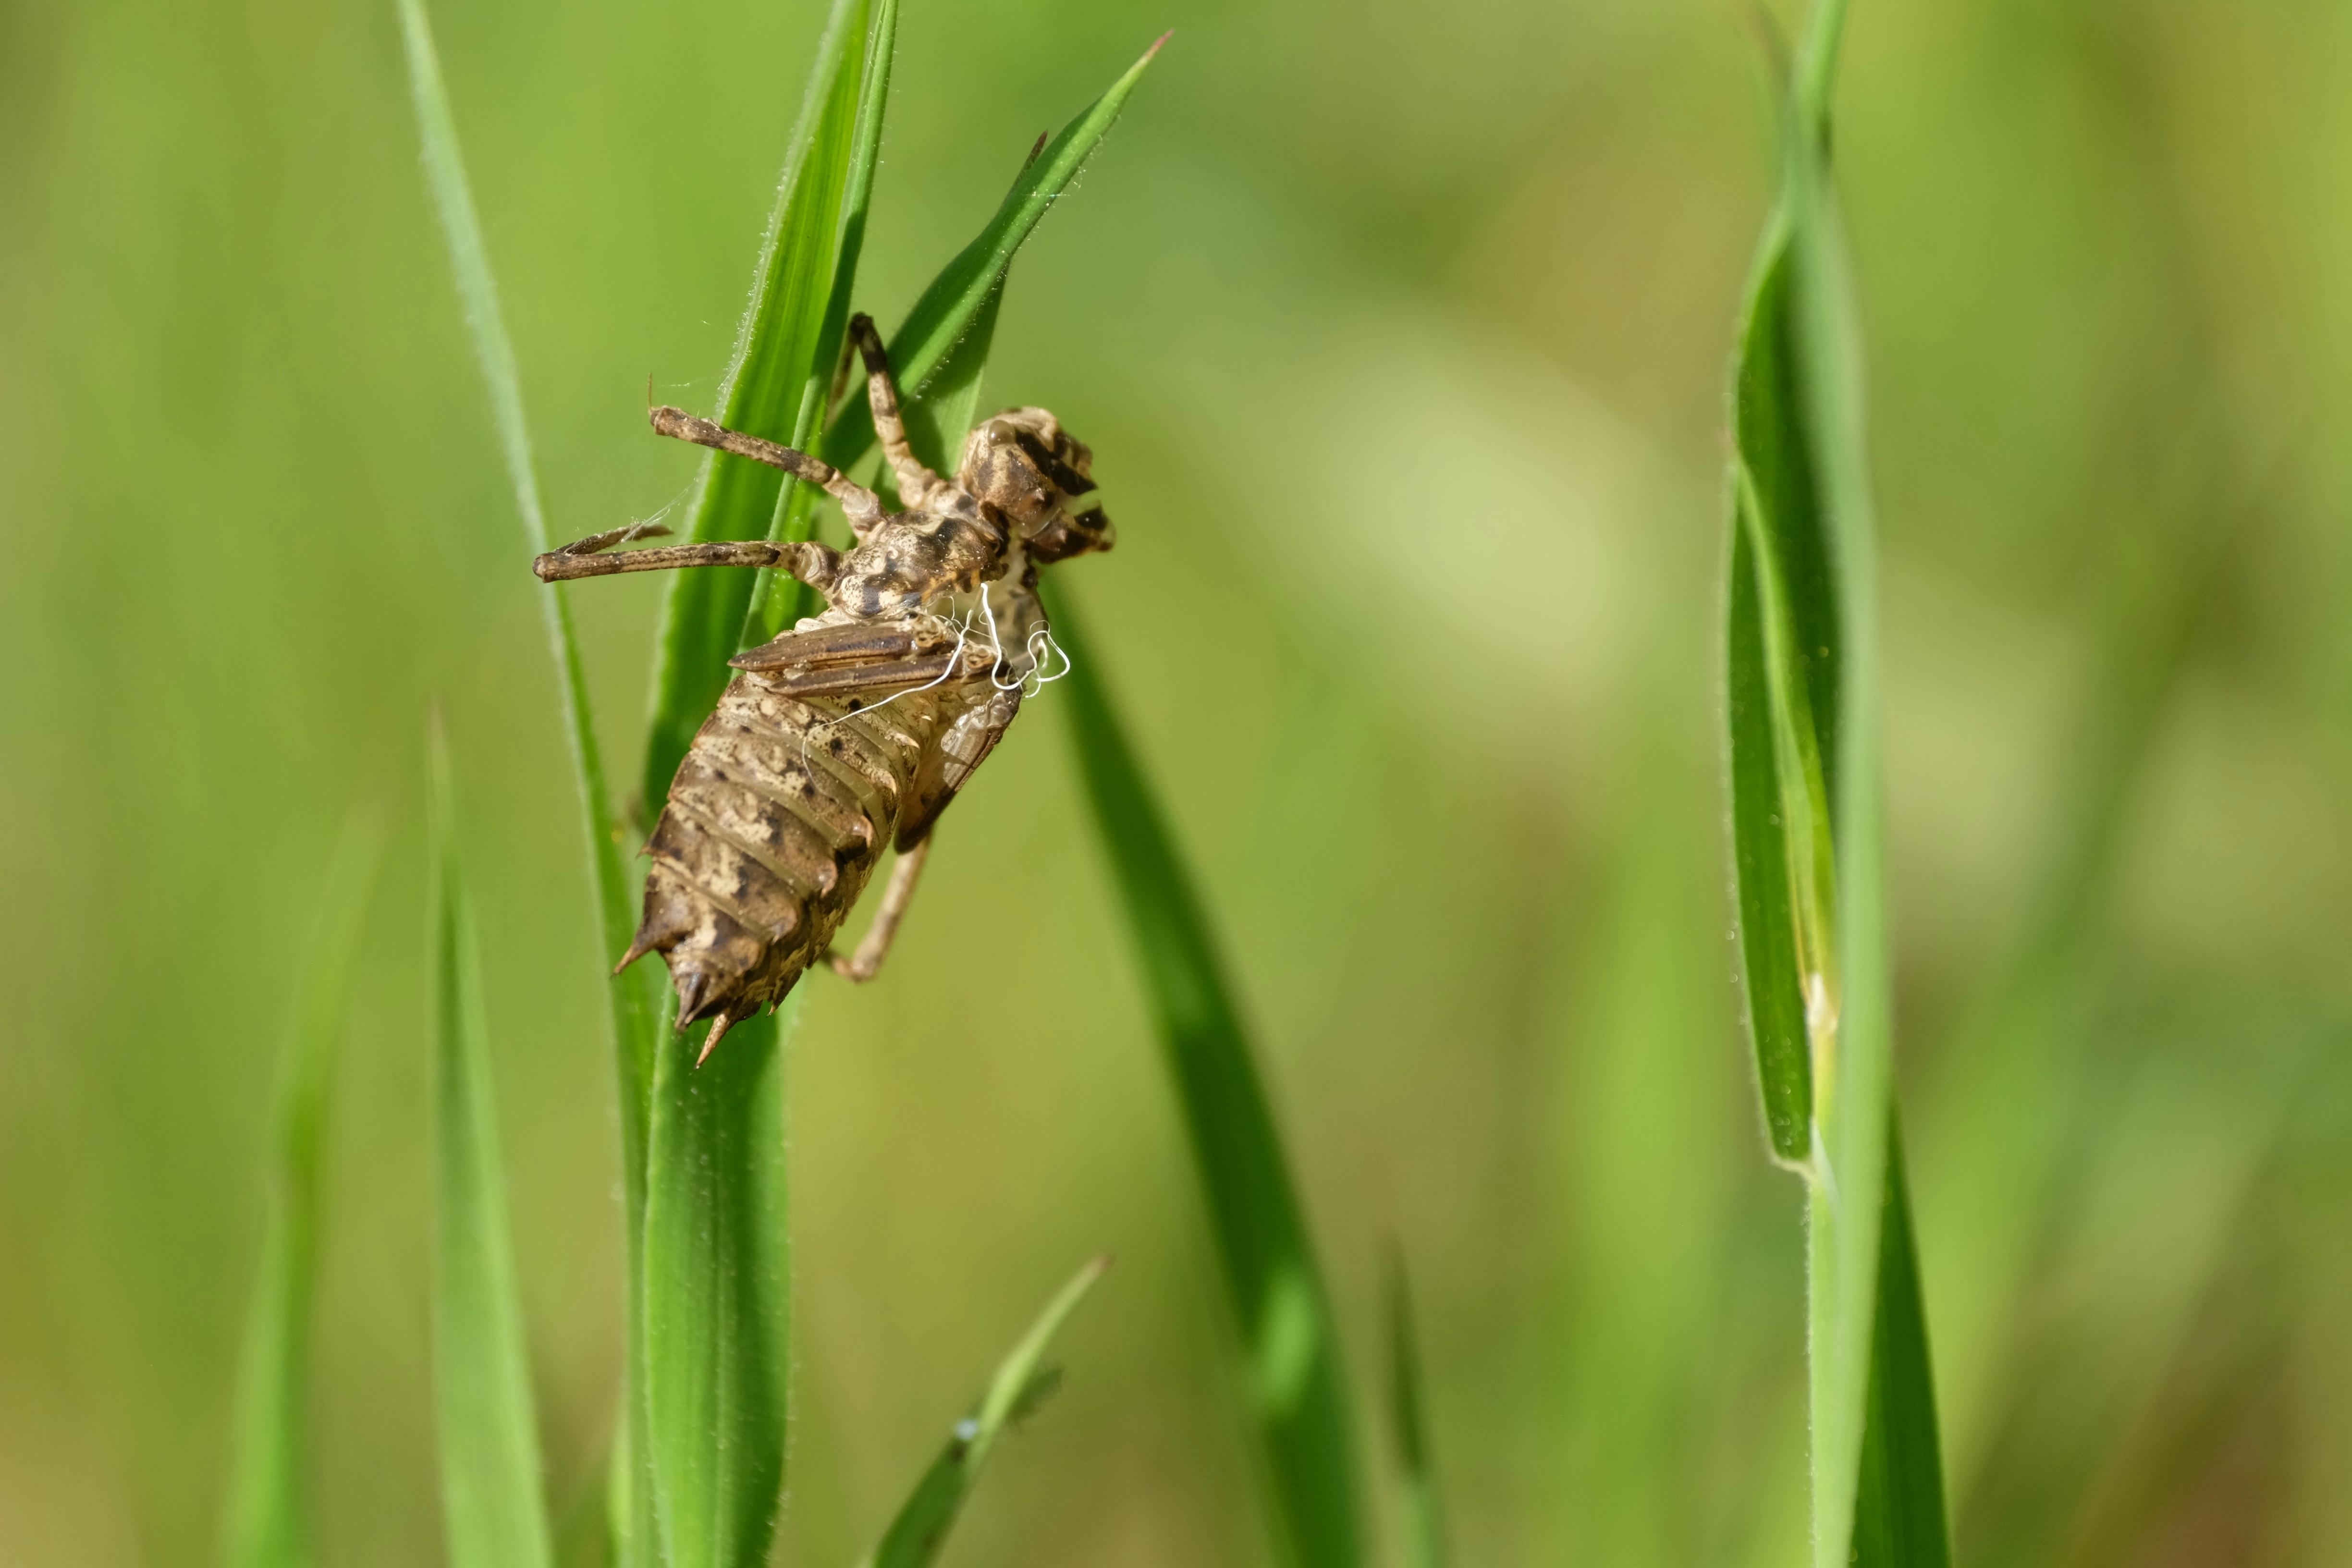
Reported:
(1021, 1383)
(1424, 1520)
(494, 1514)
(716, 1306)
(778, 361)
(268, 1524)
(965, 286)
(1298, 1391)
(780, 599)
(1802, 683)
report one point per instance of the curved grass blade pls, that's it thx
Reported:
(494, 1514)
(767, 386)
(268, 1495)
(1408, 1423)
(1299, 1408)
(716, 1307)
(1021, 1383)
(1801, 684)
(946, 312)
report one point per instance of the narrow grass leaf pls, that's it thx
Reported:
(967, 285)
(713, 1308)
(765, 390)
(632, 1000)
(1424, 1520)
(939, 417)
(1299, 1398)
(1781, 600)
(778, 600)
(1898, 1519)
(1021, 1383)
(1801, 690)
(716, 1305)
(493, 1512)
(268, 1523)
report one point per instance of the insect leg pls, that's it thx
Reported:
(863, 507)
(811, 562)
(861, 965)
(915, 480)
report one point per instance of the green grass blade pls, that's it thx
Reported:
(1299, 1398)
(716, 1305)
(777, 357)
(631, 999)
(494, 1514)
(1802, 688)
(1424, 1520)
(941, 417)
(634, 1000)
(1899, 1519)
(967, 285)
(780, 599)
(1020, 1384)
(268, 1503)
(712, 1296)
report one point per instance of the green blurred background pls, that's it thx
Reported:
(1399, 332)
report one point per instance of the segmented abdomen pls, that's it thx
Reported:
(775, 820)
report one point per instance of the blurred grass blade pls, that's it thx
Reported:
(967, 284)
(631, 998)
(767, 386)
(1409, 1422)
(1020, 1384)
(1801, 685)
(716, 1307)
(780, 599)
(268, 1523)
(1298, 1397)
(495, 1517)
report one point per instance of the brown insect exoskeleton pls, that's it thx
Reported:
(851, 732)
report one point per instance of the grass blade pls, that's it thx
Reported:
(1408, 1423)
(490, 1445)
(1299, 1408)
(631, 998)
(1801, 687)
(967, 286)
(269, 1502)
(768, 386)
(716, 1306)
(1899, 1499)
(780, 599)
(712, 1292)
(1020, 1384)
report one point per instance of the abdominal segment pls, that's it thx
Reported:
(774, 822)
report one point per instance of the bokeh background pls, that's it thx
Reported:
(1400, 331)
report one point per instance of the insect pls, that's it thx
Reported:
(852, 733)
